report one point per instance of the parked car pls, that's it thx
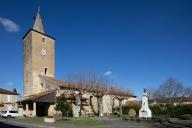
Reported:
(10, 114)
(1, 113)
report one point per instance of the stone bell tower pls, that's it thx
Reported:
(39, 57)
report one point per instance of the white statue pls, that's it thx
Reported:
(145, 112)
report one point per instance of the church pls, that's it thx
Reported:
(41, 88)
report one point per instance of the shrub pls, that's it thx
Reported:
(132, 112)
(64, 106)
(1, 105)
(158, 110)
(127, 107)
(171, 110)
(161, 118)
(185, 117)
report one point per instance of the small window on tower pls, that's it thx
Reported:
(41, 85)
(45, 71)
(43, 40)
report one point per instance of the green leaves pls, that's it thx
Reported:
(63, 105)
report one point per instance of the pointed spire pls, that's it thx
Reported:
(38, 24)
(38, 11)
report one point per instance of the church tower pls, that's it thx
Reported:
(39, 57)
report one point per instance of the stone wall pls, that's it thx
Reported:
(9, 102)
(87, 109)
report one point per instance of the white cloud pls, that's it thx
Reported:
(108, 73)
(10, 83)
(9, 25)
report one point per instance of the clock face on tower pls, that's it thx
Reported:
(43, 52)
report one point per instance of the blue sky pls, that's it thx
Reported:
(139, 43)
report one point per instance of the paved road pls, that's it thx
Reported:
(4, 125)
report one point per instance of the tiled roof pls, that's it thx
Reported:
(48, 96)
(76, 86)
(4, 91)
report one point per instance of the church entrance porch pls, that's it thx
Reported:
(39, 109)
(42, 109)
(39, 104)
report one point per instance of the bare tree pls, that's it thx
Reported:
(99, 85)
(170, 89)
(120, 95)
(92, 82)
(80, 80)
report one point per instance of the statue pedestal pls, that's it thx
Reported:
(49, 120)
(145, 114)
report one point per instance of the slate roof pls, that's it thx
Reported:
(4, 91)
(38, 24)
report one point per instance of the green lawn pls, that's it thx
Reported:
(71, 121)
(34, 120)
(93, 122)
(181, 122)
(82, 122)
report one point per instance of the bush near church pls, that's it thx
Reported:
(1, 105)
(183, 111)
(64, 106)
(185, 117)
(174, 111)
(129, 106)
(132, 113)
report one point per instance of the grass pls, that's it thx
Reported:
(113, 116)
(32, 120)
(82, 122)
(85, 122)
(181, 122)
(70, 121)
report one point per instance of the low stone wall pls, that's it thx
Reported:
(49, 119)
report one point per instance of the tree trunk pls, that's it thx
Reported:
(79, 105)
(62, 115)
(112, 104)
(91, 105)
(100, 103)
(120, 107)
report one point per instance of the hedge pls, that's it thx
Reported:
(173, 111)
(125, 109)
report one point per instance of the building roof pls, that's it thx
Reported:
(37, 32)
(38, 24)
(4, 91)
(48, 97)
(89, 88)
(174, 100)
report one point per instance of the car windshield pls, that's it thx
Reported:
(12, 111)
